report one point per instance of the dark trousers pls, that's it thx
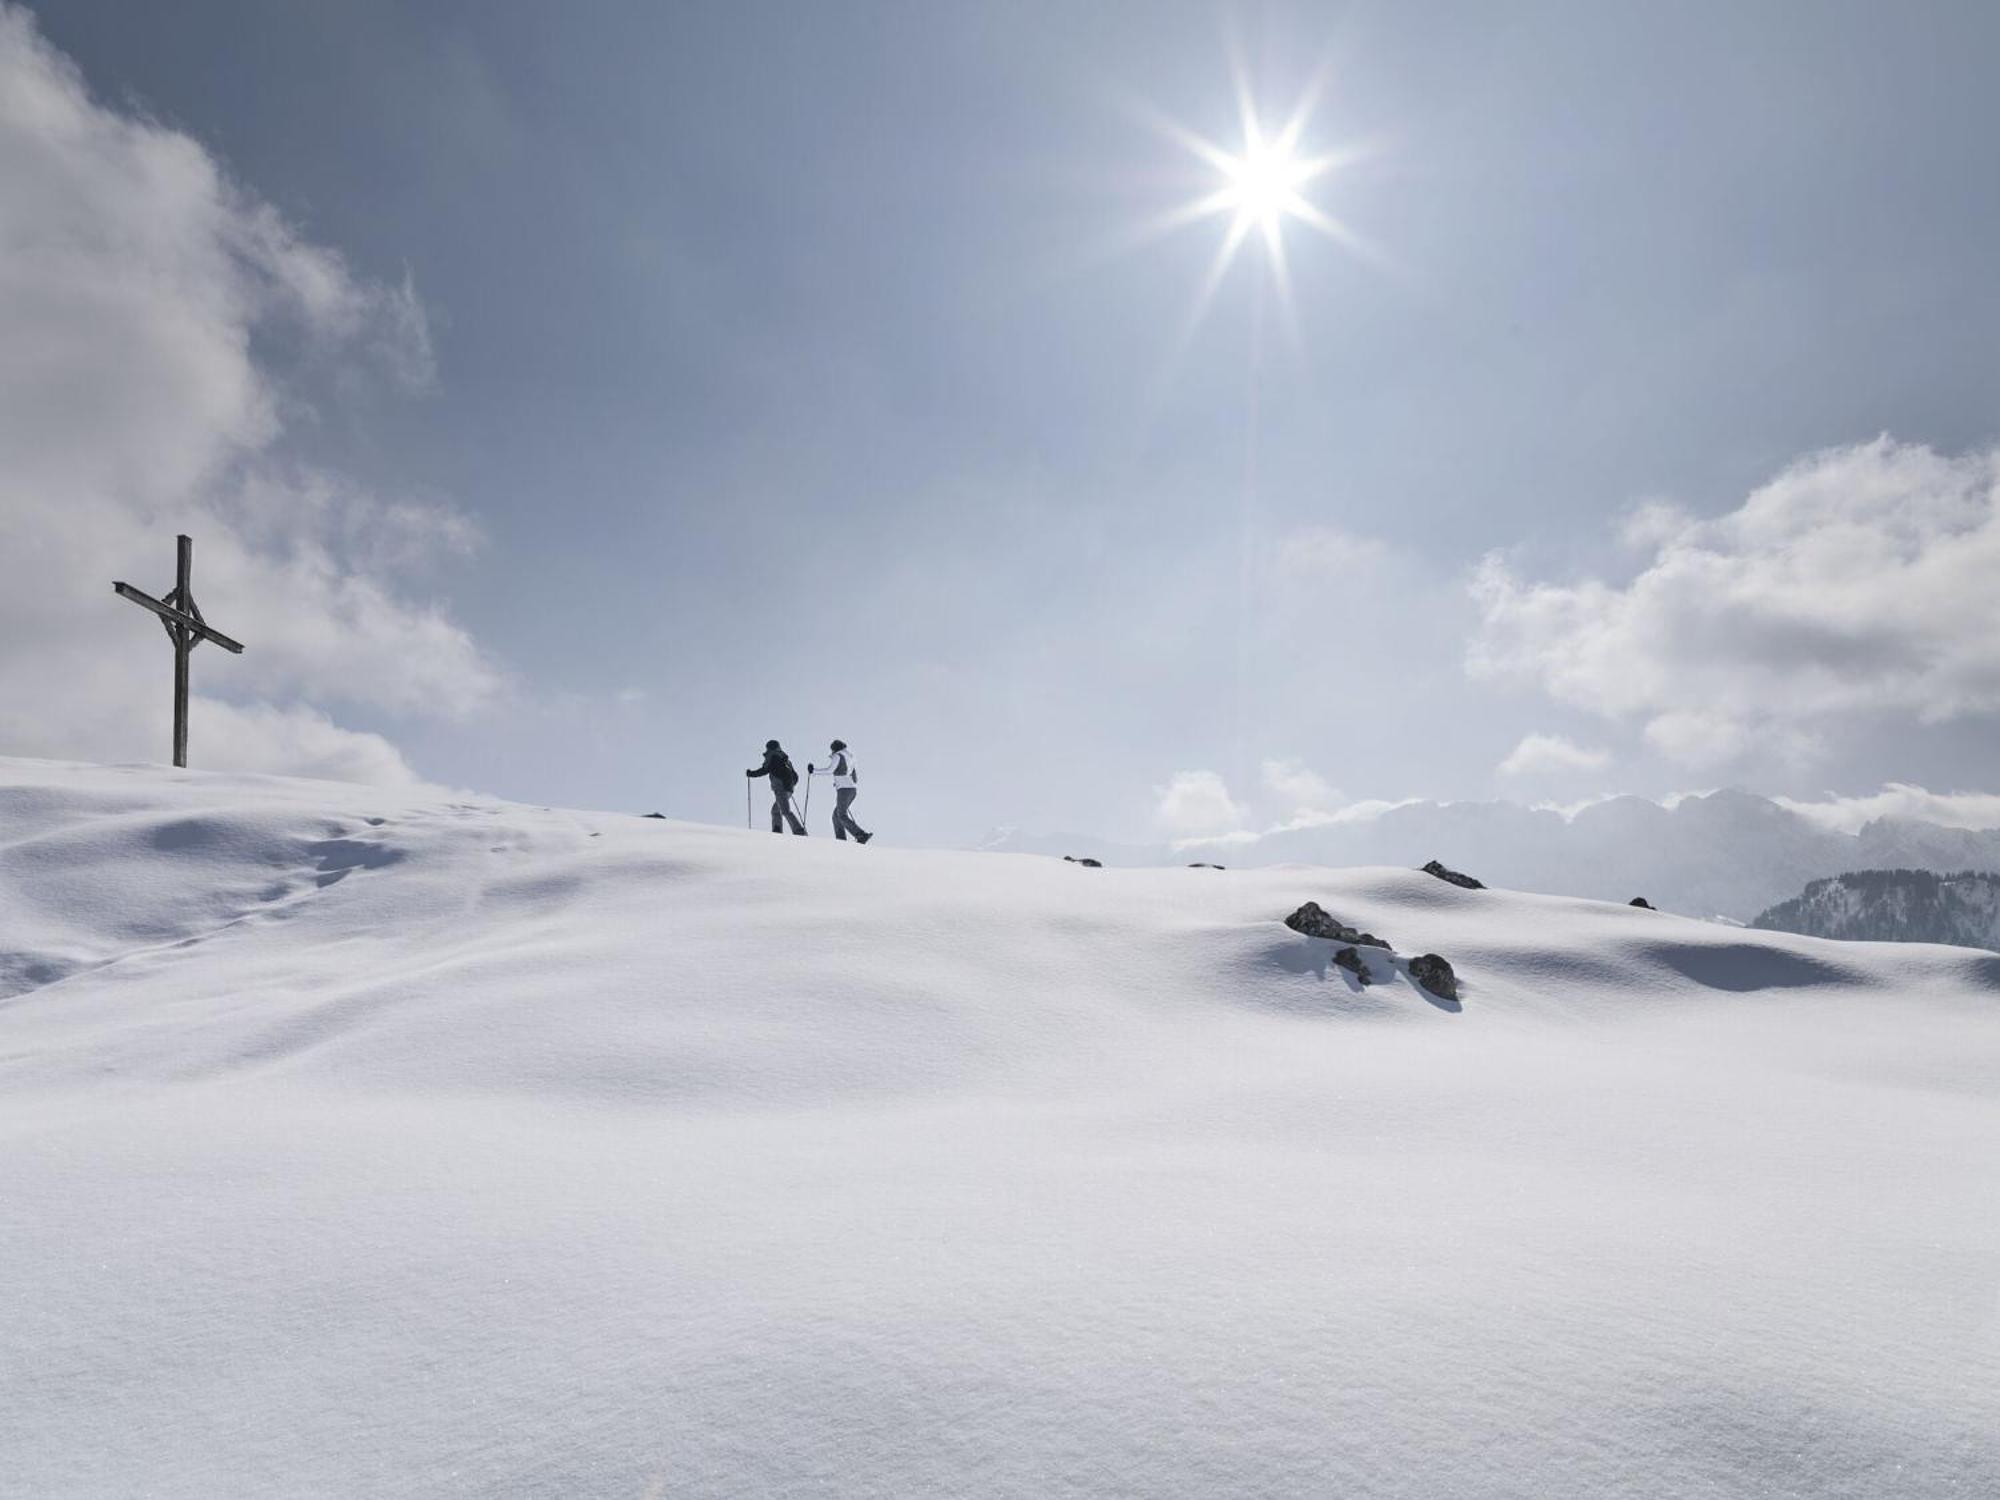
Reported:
(843, 820)
(781, 811)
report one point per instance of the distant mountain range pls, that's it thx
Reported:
(1731, 853)
(1895, 906)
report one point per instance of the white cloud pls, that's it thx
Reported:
(1299, 787)
(1856, 584)
(1551, 754)
(1197, 804)
(1841, 814)
(1652, 523)
(1326, 555)
(1698, 738)
(145, 302)
(304, 741)
(1974, 810)
(1198, 812)
(1368, 809)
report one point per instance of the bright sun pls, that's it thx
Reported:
(1261, 185)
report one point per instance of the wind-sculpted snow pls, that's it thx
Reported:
(374, 1143)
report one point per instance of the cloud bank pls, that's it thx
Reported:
(1856, 585)
(1896, 799)
(1300, 788)
(147, 304)
(1552, 754)
(1197, 804)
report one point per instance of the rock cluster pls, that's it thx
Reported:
(1198, 865)
(1313, 920)
(1454, 877)
(1352, 961)
(1088, 864)
(1430, 970)
(1435, 975)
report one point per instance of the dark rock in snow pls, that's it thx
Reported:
(1642, 901)
(1198, 865)
(1453, 877)
(1352, 961)
(1435, 975)
(1088, 864)
(661, 816)
(1312, 920)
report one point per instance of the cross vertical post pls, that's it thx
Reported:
(181, 618)
(183, 644)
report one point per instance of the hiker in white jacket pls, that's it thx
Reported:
(845, 784)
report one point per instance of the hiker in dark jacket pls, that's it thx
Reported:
(784, 778)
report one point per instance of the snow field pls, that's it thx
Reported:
(376, 1143)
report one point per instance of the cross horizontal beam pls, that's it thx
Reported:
(179, 618)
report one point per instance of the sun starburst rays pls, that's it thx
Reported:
(1262, 186)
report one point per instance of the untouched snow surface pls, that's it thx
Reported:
(361, 1144)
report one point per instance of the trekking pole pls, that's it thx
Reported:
(809, 798)
(746, 801)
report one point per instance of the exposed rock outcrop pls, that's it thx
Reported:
(1434, 974)
(1313, 920)
(1454, 877)
(1087, 863)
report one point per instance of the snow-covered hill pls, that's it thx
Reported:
(1895, 906)
(1728, 853)
(366, 1143)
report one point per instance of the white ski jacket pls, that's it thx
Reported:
(841, 769)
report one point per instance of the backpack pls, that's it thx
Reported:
(785, 773)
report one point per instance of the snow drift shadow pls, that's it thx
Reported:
(1744, 967)
(23, 973)
(334, 859)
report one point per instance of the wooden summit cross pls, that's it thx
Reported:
(186, 629)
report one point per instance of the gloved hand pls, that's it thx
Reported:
(749, 773)
(811, 769)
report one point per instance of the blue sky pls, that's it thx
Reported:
(778, 359)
